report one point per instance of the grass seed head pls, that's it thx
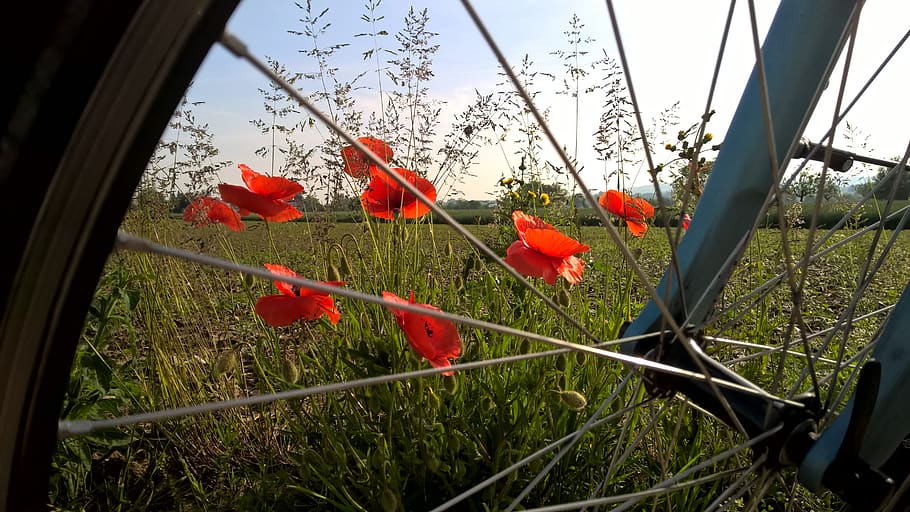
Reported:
(573, 400)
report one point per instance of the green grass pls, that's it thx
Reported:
(164, 333)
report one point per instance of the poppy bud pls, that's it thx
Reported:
(334, 274)
(561, 383)
(476, 264)
(579, 357)
(378, 459)
(448, 249)
(450, 383)
(225, 364)
(454, 441)
(561, 362)
(525, 346)
(563, 298)
(458, 283)
(290, 371)
(432, 462)
(248, 280)
(389, 500)
(573, 400)
(345, 265)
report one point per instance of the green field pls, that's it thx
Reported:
(163, 333)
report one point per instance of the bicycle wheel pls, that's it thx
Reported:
(68, 287)
(83, 115)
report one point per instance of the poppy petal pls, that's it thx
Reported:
(357, 164)
(524, 222)
(207, 210)
(412, 207)
(686, 220)
(281, 270)
(268, 186)
(637, 228)
(377, 198)
(531, 263)
(321, 304)
(571, 268)
(279, 310)
(434, 339)
(551, 242)
(269, 209)
(613, 201)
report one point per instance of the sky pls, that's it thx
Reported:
(671, 47)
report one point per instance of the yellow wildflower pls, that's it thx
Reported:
(514, 195)
(506, 181)
(532, 194)
(544, 198)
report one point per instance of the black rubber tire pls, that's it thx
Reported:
(90, 88)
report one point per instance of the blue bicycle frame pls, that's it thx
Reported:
(800, 50)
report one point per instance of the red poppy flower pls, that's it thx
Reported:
(357, 164)
(542, 251)
(634, 210)
(207, 210)
(295, 303)
(434, 339)
(686, 219)
(265, 196)
(384, 197)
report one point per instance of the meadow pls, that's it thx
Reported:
(163, 333)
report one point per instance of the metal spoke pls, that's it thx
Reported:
(569, 438)
(667, 316)
(570, 167)
(239, 49)
(658, 490)
(571, 444)
(130, 242)
(737, 488)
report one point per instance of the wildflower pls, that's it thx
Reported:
(669, 147)
(295, 303)
(708, 137)
(685, 220)
(514, 195)
(634, 210)
(357, 164)
(532, 194)
(384, 197)
(544, 198)
(542, 251)
(434, 339)
(264, 195)
(505, 182)
(207, 210)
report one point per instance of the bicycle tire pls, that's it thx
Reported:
(93, 89)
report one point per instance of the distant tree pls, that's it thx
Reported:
(465, 204)
(887, 182)
(805, 185)
(344, 203)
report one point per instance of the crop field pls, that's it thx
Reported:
(164, 333)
